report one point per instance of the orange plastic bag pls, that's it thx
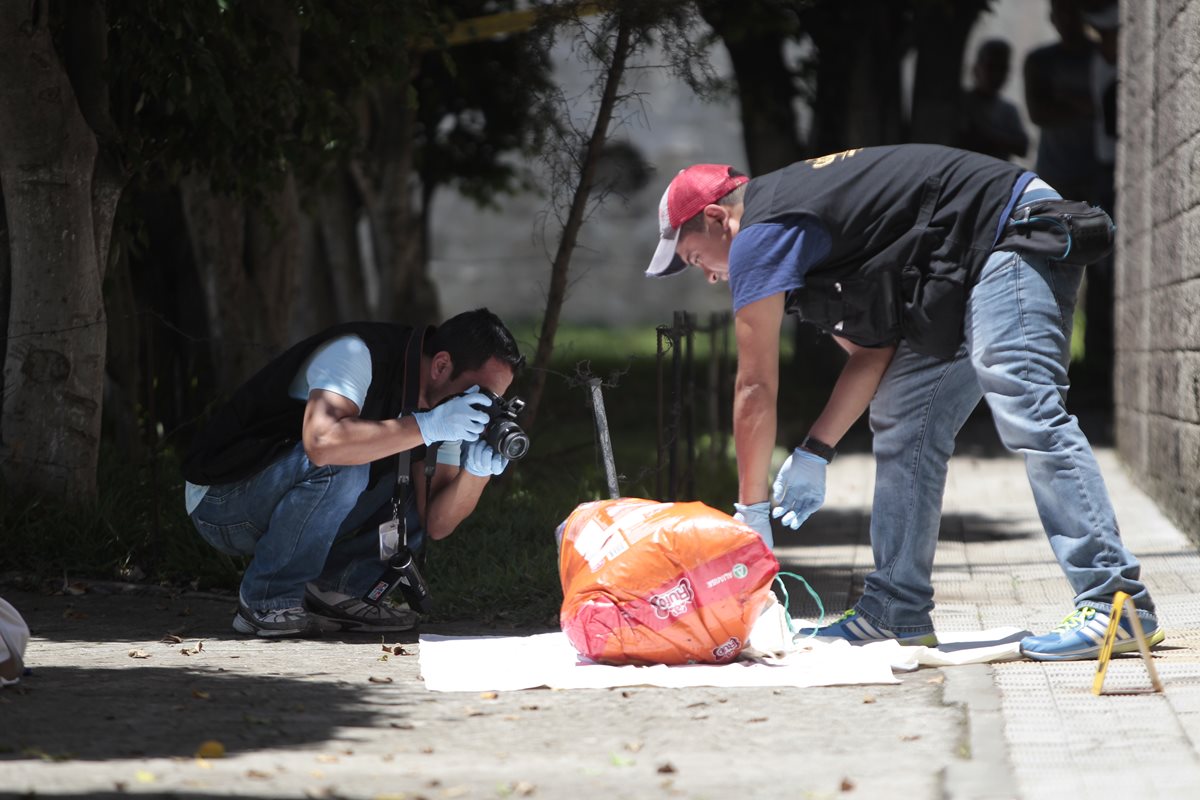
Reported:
(646, 582)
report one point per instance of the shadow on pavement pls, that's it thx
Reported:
(841, 527)
(94, 713)
(118, 795)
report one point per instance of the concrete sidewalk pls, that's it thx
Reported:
(1039, 722)
(112, 710)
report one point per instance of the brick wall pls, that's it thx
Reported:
(1157, 279)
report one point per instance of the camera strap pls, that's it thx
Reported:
(410, 390)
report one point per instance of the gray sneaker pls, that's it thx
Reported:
(276, 622)
(352, 614)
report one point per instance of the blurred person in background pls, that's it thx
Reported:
(991, 124)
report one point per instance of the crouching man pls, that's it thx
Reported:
(299, 468)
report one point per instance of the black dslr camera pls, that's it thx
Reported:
(502, 431)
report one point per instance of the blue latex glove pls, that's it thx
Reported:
(799, 488)
(482, 460)
(757, 516)
(459, 418)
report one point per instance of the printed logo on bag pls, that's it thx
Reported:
(728, 649)
(675, 601)
(739, 571)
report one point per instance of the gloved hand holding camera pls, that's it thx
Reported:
(481, 460)
(459, 418)
(799, 488)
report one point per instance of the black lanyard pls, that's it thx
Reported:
(410, 394)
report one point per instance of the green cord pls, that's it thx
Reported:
(787, 602)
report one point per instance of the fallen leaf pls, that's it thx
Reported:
(203, 763)
(210, 748)
(619, 760)
(474, 712)
(633, 746)
(757, 719)
(142, 776)
(404, 726)
(910, 738)
(138, 654)
(257, 775)
(529, 708)
(937, 679)
(511, 717)
(75, 589)
(199, 694)
(379, 679)
(396, 650)
(868, 700)
(667, 768)
(191, 651)
(327, 759)
(427, 750)
(488, 695)
(171, 638)
(847, 785)
(523, 788)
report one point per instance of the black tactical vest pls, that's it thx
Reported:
(910, 228)
(261, 422)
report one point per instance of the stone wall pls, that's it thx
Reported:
(1157, 278)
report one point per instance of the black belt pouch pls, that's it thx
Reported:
(1067, 231)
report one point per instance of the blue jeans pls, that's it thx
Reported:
(1016, 354)
(291, 518)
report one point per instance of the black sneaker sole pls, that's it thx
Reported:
(331, 614)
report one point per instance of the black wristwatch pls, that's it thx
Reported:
(818, 448)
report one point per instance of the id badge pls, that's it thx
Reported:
(389, 539)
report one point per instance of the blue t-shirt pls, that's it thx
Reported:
(767, 258)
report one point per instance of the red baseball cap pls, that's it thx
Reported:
(690, 191)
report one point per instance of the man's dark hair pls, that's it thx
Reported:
(471, 338)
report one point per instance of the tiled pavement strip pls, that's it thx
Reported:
(994, 568)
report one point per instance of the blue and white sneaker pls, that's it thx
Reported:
(854, 629)
(1081, 635)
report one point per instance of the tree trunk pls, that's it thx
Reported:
(765, 86)
(217, 229)
(392, 204)
(336, 222)
(273, 250)
(60, 199)
(860, 44)
(941, 38)
(559, 270)
(247, 256)
(5, 293)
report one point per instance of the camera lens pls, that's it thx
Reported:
(507, 439)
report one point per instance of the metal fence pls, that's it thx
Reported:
(680, 393)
